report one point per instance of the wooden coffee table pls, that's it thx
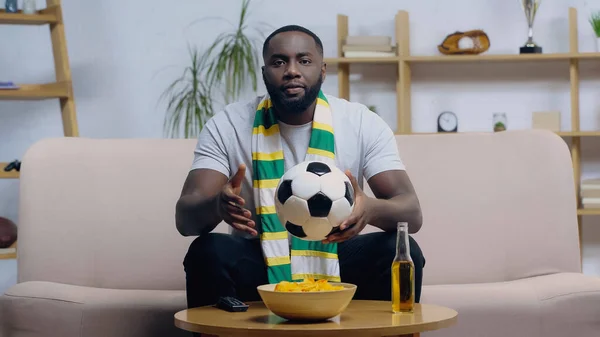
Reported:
(361, 318)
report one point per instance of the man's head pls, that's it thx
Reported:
(294, 69)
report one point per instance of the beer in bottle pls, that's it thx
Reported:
(403, 273)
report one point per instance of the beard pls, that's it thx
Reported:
(293, 105)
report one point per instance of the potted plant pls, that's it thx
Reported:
(227, 67)
(595, 22)
(189, 100)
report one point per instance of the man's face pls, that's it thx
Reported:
(293, 71)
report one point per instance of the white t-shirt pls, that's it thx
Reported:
(364, 143)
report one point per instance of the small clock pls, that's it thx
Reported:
(447, 122)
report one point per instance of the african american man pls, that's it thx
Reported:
(219, 186)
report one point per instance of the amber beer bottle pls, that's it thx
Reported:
(403, 273)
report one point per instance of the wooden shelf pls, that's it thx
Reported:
(7, 175)
(588, 211)
(588, 56)
(43, 17)
(466, 58)
(5, 255)
(350, 60)
(60, 89)
(493, 58)
(579, 133)
(404, 63)
(36, 91)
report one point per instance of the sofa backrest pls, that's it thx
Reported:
(100, 212)
(496, 206)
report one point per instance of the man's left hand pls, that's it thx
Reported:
(360, 217)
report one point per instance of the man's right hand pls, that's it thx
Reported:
(230, 204)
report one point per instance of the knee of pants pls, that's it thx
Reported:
(389, 247)
(205, 252)
(416, 254)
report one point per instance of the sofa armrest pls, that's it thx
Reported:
(553, 305)
(54, 309)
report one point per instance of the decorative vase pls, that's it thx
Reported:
(29, 7)
(499, 122)
(598, 44)
(11, 6)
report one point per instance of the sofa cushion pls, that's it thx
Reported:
(63, 310)
(101, 212)
(496, 206)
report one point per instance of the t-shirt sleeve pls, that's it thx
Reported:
(211, 149)
(380, 147)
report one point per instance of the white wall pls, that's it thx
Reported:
(123, 54)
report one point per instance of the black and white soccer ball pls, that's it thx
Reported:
(312, 199)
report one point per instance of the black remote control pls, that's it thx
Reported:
(231, 304)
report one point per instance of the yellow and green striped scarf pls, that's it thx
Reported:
(308, 258)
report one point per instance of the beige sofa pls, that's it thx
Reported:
(99, 254)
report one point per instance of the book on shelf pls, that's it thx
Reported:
(590, 203)
(369, 54)
(8, 86)
(9, 253)
(368, 46)
(590, 188)
(4, 251)
(370, 40)
(386, 48)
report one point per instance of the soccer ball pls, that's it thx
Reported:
(312, 199)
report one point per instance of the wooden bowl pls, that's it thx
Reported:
(307, 306)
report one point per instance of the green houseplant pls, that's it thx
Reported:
(595, 22)
(189, 100)
(227, 67)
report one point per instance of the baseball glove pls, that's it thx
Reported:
(480, 43)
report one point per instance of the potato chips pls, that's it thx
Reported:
(308, 285)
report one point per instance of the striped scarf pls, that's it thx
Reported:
(309, 259)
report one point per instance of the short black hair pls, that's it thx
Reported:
(293, 28)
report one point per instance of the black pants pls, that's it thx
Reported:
(225, 265)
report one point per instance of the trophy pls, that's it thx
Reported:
(530, 8)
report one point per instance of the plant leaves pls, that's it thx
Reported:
(595, 22)
(189, 103)
(230, 63)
